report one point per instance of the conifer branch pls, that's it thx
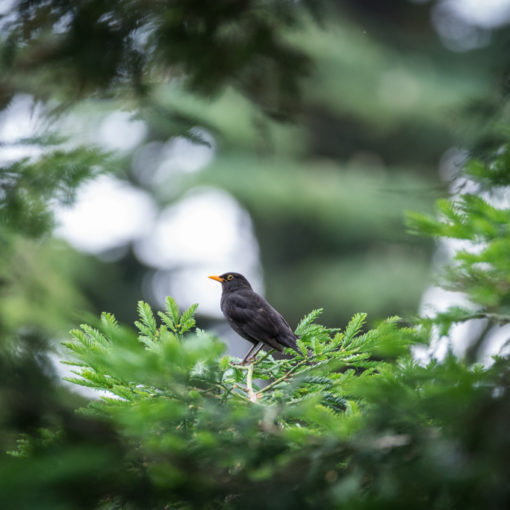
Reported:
(249, 384)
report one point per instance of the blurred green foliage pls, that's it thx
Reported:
(352, 421)
(479, 218)
(327, 128)
(29, 187)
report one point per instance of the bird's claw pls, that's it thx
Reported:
(241, 364)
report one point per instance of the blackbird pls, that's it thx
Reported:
(252, 317)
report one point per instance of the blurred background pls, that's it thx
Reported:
(301, 184)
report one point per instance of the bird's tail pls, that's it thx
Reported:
(290, 341)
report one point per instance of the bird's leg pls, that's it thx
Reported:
(249, 352)
(255, 352)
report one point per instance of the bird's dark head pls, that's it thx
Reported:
(232, 281)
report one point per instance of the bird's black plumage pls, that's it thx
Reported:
(252, 317)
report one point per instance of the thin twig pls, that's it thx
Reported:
(257, 361)
(239, 366)
(501, 319)
(238, 395)
(283, 377)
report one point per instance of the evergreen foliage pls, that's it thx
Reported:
(477, 220)
(353, 421)
(194, 418)
(93, 47)
(31, 188)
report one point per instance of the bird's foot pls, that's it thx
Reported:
(240, 364)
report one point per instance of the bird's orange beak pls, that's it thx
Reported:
(217, 278)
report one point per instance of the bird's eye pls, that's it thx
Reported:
(230, 277)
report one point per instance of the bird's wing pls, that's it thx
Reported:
(259, 321)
